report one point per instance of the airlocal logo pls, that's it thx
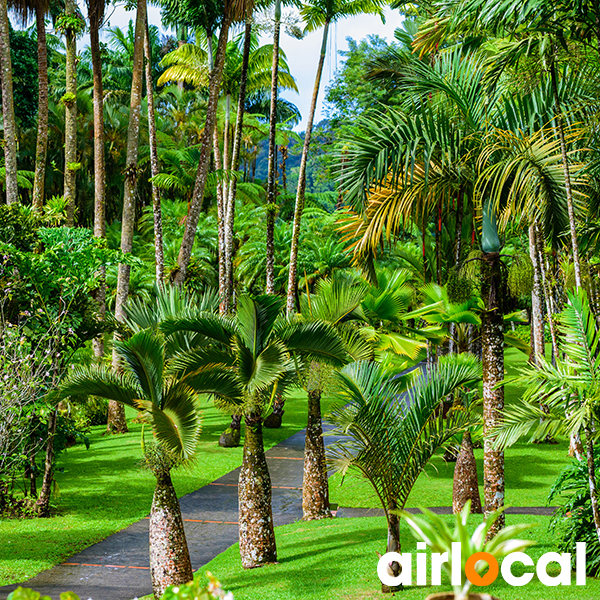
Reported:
(470, 572)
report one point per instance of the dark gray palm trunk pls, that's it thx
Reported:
(71, 165)
(169, 555)
(466, 485)
(272, 167)
(41, 148)
(492, 339)
(257, 538)
(159, 257)
(8, 109)
(315, 487)
(301, 191)
(191, 223)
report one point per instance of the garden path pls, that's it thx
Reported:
(117, 567)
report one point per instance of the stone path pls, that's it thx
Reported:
(117, 568)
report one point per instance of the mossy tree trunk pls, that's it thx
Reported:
(315, 487)
(170, 562)
(492, 339)
(466, 485)
(257, 538)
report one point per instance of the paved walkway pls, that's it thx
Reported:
(117, 568)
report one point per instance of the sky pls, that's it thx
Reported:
(302, 55)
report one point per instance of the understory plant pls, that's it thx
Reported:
(435, 532)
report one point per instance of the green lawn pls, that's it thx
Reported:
(103, 490)
(530, 469)
(337, 560)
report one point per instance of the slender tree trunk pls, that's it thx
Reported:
(492, 338)
(466, 483)
(284, 154)
(257, 538)
(272, 167)
(41, 148)
(116, 412)
(8, 109)
(315, 488)
(170, 562)
(220, 217)
(568, 189)
(43, 502)
(235, 163)
(96, 16)
(159, 257)
(70, 103)
(300, 193)
(537, 319)
(191, 222)
(452, 345)
(550, 306)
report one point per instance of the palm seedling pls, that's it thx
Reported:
(391, 435)
(246, 361)
(168, 404)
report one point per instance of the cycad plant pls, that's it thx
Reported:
(569, 390)
(392, 433)
(168, 404)
(246, 361)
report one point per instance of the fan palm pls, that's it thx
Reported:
(569, 390)
(248, 359)
(146, 381)
(391, 436)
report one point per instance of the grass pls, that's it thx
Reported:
(337, 560)
(103, 490)
(530, 468)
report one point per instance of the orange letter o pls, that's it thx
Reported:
(474, 577)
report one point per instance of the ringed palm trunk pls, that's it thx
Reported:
(568, 188)
(170, 562)
(96, 16)
(41, 148)
(235, 163)
(257, 538)
(8, 109)
(193, 216)
(592, 479)
(272, 168)
(466, 485)
(537, 329)
(116, 412)
(159, 257)
(71, 118)
(315, 487)
(492, 339)
(300, 193)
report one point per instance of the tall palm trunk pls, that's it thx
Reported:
(235, 163)
(452, 346)
(592, 479)
(193, 216)
(568, 189)
(257, 538)
(466, 485)
(8, 109)
(41, 148)
(96, 16)
(315, 488)
(300, 193)
(272, 168)
(170, 562)
(117, 423)
(537, 322)
(159, 257)
(492, 339)
(70, 102)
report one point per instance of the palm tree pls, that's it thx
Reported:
(116, 421)
(167, 403)
(568, 390)
(250, 359)
(391, 435)
(8, 110)
(318, 13)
